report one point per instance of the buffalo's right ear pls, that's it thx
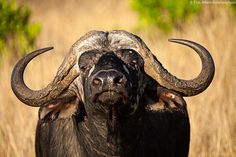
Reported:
(59, 110)
(64, 106)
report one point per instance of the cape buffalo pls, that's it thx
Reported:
(111, 97)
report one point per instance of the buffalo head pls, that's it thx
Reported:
(110, 78)
(95, 47)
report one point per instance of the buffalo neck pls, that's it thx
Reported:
(110, 133)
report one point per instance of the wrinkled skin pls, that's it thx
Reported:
(130, 116)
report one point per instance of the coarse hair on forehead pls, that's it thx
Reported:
(110, 41)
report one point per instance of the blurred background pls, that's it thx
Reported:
(26, 25)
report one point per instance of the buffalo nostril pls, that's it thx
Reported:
(119, 79)
(97, 82)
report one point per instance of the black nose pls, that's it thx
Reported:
(110, 78)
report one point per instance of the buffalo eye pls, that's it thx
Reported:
(133, 64)
(130, 57)
(88, 59)
(83, 68)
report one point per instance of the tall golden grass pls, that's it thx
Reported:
(212, 114)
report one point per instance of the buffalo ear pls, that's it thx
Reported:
(159, 98)
(59, 110)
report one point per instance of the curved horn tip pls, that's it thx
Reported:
(37, 52)
(42, 50)
(184, 42)
(171, 39)
(176, 40)
(48, 48)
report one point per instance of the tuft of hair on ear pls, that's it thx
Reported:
(165, 99)
(59, 110)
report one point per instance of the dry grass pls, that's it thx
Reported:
(212, 113)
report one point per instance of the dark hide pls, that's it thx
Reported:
(130, 116)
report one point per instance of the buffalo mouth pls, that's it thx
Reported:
(111, 97)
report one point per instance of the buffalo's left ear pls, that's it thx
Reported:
(159, 98)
